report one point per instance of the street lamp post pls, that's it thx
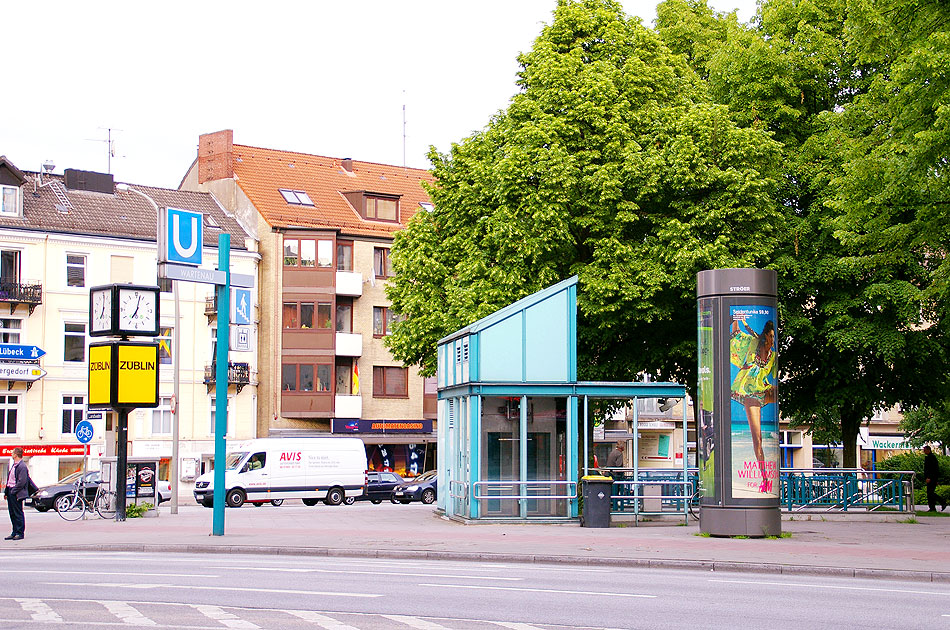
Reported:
(176, 358)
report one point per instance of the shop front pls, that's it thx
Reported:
(405, 447)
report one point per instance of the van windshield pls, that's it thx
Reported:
(234, 459)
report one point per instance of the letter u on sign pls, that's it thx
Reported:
(184, 237)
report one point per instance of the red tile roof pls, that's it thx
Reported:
(261, 173)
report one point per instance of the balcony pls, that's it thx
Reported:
(239, 375)
(349, 344)
(211, 306)
(349, 283)
(15, 293)
(348, 406)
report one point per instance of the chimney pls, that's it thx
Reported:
(347, 164)
(215, 156)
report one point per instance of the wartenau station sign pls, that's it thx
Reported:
(123, 374)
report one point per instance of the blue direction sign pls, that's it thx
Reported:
(17, 351)
(84, 431)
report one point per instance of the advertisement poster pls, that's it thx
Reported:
(754, 410)
(706, 436)
(146, 480)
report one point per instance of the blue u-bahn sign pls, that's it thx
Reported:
(183, 236)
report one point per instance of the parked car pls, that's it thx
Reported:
(421, 488)
(45, 498)
(379, 486)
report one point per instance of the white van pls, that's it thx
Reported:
(271, 469)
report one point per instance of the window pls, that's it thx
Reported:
(344, 317)
(75, 270)
(324, 253)
(8, 411)
(324, 315)
(344, 256)
(10, 330)
(381, 208)
(306, 378)
(290, 315)
(291, 252)
(214, 412)
(300, 378)
(288, 379)
(306, 315)
(162, 416)
(323, 377)
(74, 343)
(73, 408)
(390, 382)
(297, 197)
(307, 253)
(165, 346)
(381, 262)
(9, 266)
(301, 315)
(383, 320)
(9, 196)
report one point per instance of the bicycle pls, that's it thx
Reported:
(73, 505)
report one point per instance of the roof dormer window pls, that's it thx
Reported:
(9, 200)
(381, 208)
(296, 197)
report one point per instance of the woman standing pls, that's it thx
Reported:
(754, 385)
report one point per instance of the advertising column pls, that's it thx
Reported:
(738, 429)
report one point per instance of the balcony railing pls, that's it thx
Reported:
(211, 306)
(15, 293)
(239, 375)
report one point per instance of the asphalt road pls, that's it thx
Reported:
(100, 590)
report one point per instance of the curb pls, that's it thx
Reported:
(691, 565)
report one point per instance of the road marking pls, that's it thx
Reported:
(414, 574)
(128, 614)
(538, 590)
(415, 622)
(213, 588)
(515, 626)
(224, 618)
(327, 623)
(832, 586)
(38, 609)
(123, 573)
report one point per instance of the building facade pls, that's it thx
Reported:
(61, 235)
(325, 227)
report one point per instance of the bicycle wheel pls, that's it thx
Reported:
(105, 504)
(70, 506)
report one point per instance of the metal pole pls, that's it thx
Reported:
(122, 461)
(175, 344)
(221, 383)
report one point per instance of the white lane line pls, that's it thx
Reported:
(539, 590)
(193, 587)
(835, 587)
(120, 573)
(127, 614)
(415, 622)
(327, 623)
(414, 574)
(515, 626)
(225, 618)
(38, 609)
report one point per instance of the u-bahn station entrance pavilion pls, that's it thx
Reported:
(513, 418)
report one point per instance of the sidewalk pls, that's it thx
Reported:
(914, 551)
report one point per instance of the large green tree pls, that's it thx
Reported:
(611, 162)
(853, 336)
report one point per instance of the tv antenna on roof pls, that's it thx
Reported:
(110, 146)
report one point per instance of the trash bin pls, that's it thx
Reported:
(597, 490)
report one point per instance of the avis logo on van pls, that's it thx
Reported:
(290, 457)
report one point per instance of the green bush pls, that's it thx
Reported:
(915, 461)
(920, 494)
(135, 510)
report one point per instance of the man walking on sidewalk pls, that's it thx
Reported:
(931, 475)
(17, 490)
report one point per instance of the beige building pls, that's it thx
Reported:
(325, 227)
(61, 235)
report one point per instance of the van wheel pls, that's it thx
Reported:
(235, 498)
(349, 500)
(276, 502)
(309, 502)
(335, 496)
(428, 496)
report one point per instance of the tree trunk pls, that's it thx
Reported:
(851, 421)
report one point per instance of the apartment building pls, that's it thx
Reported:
(61, 235)
(325, 227)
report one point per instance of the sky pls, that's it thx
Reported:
(372, 80)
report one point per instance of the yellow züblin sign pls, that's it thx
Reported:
(130, 368)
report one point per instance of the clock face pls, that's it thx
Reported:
(101, 310)
(138, 310)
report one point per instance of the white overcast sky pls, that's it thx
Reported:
(323, 77)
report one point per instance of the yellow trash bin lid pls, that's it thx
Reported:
(596, 478)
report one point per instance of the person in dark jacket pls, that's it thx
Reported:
(17, 490)
(931, 475)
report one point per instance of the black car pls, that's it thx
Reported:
(44, 499)
(421, 488)
(379, 486)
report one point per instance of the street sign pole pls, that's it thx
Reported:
(122, 461)
(221, 383)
